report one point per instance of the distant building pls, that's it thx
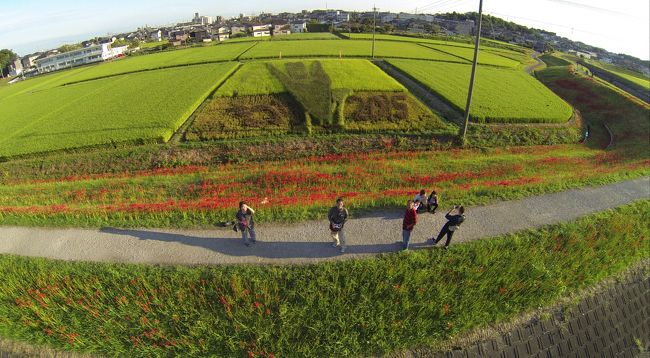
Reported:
(261, 27)
(96, 53)
(15, 68)
(280, 32)
(202, 20)
(262, 33)
(237, 29)
(199, 35)
(298, 27)
(403, 16)
(155, 35)
(28, 61)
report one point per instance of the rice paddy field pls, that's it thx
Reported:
(467, 54)
(198, 55)
(113, 102)
(520, 57)
(500, 95)
(342, 48)
(255, 78)
(147, 106)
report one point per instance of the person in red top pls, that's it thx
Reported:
(410, 219)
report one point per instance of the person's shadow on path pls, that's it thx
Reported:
(272, 250)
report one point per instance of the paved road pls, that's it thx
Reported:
(308, 242)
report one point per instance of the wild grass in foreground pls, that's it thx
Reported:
(346, 308)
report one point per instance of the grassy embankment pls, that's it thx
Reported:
(348, 308)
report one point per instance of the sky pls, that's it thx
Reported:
(35, 25)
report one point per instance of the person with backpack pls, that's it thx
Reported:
(337, 216)
(452, 224)
(410, 219)
(432, 202)
(245, 223)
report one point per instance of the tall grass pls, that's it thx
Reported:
(346, 308)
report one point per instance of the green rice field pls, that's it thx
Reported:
(254, 78)
(327, 48)
(134, 107)
(109, 102)
(467, 54)
(214, 53)
(500, 95)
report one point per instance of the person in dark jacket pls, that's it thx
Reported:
(246, 223)
(452, 224)
(410, 219)
(432, 202)
(337, 216)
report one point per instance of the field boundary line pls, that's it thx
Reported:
(246, 50)
(180, 131)
(466, 61)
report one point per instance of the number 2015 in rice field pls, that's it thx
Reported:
(379, 107)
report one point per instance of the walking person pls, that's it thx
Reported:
(432, 202)
(452, 224)
(337, 216)
(246, 223)
(410, 219)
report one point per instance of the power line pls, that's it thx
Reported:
(492, 13)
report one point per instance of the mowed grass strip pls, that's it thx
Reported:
(142, 106)
(500, 95)
(370, 306)
(328, 48)
(255, 78)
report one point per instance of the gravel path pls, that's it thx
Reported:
(308, 242)
(530, 69)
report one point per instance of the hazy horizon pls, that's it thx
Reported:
(71, 21)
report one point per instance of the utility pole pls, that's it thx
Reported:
(471, 79)
(374, 27)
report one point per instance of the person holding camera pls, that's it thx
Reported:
(245, 223)
(337, 216)
(452, 224)
(432, 202)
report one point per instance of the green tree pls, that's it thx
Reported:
(134, 43)
(6, 58)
